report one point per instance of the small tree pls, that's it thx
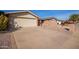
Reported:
(75, 19)
(3, 21)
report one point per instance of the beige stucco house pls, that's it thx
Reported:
(22, 19)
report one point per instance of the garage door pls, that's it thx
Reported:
(21, 22)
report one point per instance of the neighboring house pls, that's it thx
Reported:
(22, 19)
(48, 22)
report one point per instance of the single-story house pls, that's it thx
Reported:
(22, 19)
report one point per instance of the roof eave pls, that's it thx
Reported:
(23, 11)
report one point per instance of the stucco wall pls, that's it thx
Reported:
(71, 27)
(50, 23)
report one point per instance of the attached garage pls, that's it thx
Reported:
(21, 22)
(23, 19)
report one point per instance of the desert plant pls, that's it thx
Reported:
(3, 22)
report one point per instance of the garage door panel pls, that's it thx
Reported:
(25, 22)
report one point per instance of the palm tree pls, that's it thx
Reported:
(3, 21)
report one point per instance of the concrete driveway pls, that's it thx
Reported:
(40, 37)
(7, 40)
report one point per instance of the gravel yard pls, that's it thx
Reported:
(45, 38)
(39, 38)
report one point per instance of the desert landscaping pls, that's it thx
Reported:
(40, 37)
(25, 30)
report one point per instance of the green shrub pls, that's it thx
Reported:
(3, 22)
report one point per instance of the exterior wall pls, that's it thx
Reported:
(77, 27)
(50, 23)
(74, 27)
(71, 27)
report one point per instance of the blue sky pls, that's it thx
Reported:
(60, 14)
